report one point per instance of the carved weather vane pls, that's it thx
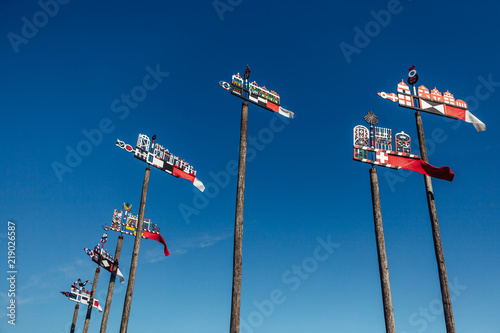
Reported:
(79, 294)
(377, 142)
(102, 258)
(162, 159)
(434, 101)
(126, 223)
(251, 92)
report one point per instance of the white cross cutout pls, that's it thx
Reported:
(382, 158)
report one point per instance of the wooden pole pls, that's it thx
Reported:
(135, 254)
(111, 287)
(383, 267)
(238, 224)
(75, 316)
(438, 248)
(91, 302)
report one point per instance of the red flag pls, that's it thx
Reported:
(158, 238)
(395, 160)
(414, 164)
(437, 172)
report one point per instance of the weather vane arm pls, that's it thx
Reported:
(162, 159)
(434, 101)
(251, 92)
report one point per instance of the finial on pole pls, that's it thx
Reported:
(371, 118)
(412, 76)
(247, 73)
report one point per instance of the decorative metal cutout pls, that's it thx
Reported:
(383, 138)
(403, 143)
(361, 138)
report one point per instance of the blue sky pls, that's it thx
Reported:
(70, 75)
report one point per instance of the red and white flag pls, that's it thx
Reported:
(413, 163)
(97, 305)
(192, 178)
(395, 160)
(453, 111)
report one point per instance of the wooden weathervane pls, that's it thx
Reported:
(377, 142)
(251, 92)
(126, 223)
(159, 157)
(101, 257)
(79, 294)
(435, 102)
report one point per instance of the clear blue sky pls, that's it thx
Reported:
(69, 75)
